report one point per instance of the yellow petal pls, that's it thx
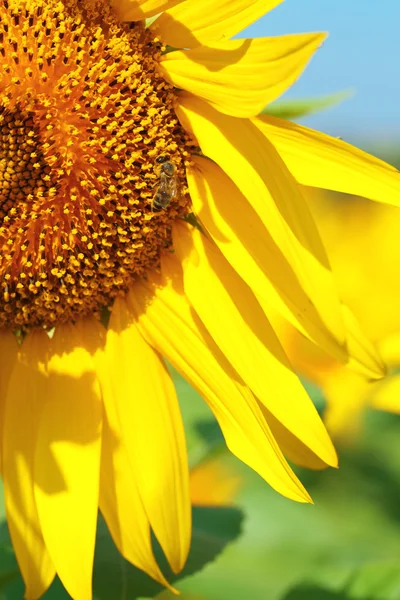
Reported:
(167, 320)
(346, 395)
(8, 353)
(239, 327)
(120, 501)
(213, 483)
(314, 363)
(297, 452)
(364, 357)
(152, 429)
(137, 10)
(389, 348)
(247, 244)
(67, 461)
(318, 160)
(191, 23)
(122, 506)
(308, 358)
(21, 415)
(385, 395)
(253, 164)
(239, 77)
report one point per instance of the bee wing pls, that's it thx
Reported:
(162, 196)
(164, 185)
(174, 189)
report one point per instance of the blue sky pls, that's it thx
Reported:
(362, 52)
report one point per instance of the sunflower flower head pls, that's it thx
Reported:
(84, 116)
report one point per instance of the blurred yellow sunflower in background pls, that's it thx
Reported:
(110, 142)
(213, 483)
(362, 243)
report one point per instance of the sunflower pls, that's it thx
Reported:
(148, 213)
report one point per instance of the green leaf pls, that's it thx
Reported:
(7, 577)
(56, 592)
(9, 573)
(115, 578)
(376, 581)
(213, 529)
(314, 592)
(302, 107)
(372, 581)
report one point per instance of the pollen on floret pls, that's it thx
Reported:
(84, 113)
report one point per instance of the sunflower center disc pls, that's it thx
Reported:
(84, 116)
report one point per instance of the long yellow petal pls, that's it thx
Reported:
(21, 413)
(318, 160)
(191, 23)
(247, 244)
(297, 452)
(8, 353)
(239, 77)
(122, 506)
(255, 167)
(239, 327)
(67, 461)
(152, 429)
(170, 324)
(137, 10)
(120, 501)
(364, 357)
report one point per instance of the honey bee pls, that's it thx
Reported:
(168, 188)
